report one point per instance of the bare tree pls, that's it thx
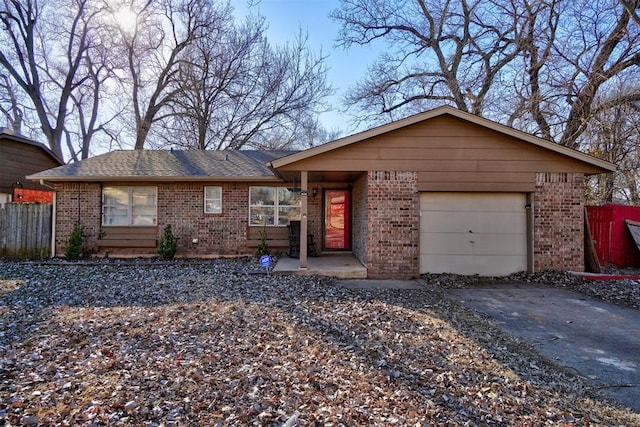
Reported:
(439, 52)
(43, 49)
(182, 64)
(9, 105)
(535, 64)
(574, 54)
(86, 119)
(210, 64)
(613, 133)
(532, 101)
(610, 50)
(154, 51)
(237, 90)
(305, 134)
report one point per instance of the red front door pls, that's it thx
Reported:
(337, 228)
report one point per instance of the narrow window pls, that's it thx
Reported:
(262, 206)
(213, 200)
(273, 206)
(288, 206)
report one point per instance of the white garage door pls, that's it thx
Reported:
(473, 233)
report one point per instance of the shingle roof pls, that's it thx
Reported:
(165, 164)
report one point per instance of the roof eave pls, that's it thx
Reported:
(153, 178)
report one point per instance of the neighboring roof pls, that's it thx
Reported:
(7, 134)
(440, 111)
(173, 165)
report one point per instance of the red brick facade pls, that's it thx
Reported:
(77, 204)
(559, 222)
(182, 206)
(314, 214)
(385, 220)
(392, 217)
(27, 195)
(179, 204)
(392, 225)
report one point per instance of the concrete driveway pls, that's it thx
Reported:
(599, 340)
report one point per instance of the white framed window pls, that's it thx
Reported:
(129, 206)
(212, 200)
(273, 206)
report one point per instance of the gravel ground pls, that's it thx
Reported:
(196, 343)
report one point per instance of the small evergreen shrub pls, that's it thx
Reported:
(168, 244)
(73, 248)
(263, 248)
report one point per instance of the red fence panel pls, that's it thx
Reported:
(613, 241)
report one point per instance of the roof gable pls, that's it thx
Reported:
(590, 161)
(20, 157)
(6, 135)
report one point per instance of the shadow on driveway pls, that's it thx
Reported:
(597, 339)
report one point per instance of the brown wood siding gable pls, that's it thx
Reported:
(18, 160)
(449, 154)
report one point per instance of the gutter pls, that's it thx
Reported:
(44, 184)
(163, 179)
(275, 171)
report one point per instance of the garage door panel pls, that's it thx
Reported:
(478, 244)
(469, 265)
(478, 202)
(459, 222)
(496, 245)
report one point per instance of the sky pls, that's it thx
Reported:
(346, 67)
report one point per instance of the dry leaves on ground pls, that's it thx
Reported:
(143, 343)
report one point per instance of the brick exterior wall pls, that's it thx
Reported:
(179, 204)
(314, 214)
(393, 222)
(385, 226)
(77, 203)
(182, 206)
(559, 222)
(359, 219)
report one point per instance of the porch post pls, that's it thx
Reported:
(304, 184)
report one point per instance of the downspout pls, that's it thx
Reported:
(53, 219)
(53, 226)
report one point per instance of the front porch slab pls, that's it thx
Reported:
(340, 265)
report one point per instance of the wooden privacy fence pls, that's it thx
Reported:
(25, 230)
(612, 240)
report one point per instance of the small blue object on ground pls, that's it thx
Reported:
(265, 261)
